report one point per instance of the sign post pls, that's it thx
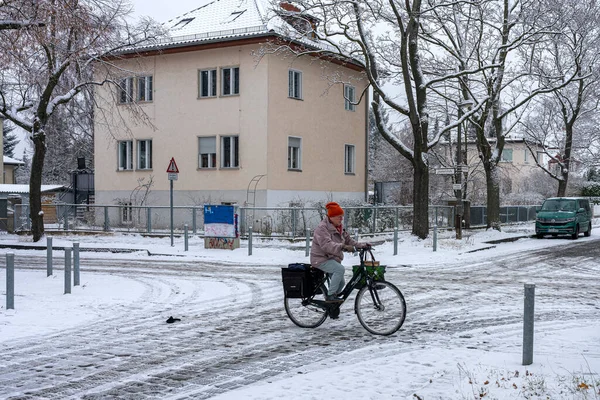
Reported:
(172, 172)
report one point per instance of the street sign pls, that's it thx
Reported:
(444, 171)
(456, 186)
(172, 169)
(172, 176)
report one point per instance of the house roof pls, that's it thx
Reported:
(230, 20)
(23, 189)
(12, 161)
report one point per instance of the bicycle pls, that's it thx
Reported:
(379, 305)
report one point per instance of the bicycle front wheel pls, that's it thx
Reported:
(303, 314)
(382, 309)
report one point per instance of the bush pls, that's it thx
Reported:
(591, 189)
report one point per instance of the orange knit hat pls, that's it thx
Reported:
(334, 209)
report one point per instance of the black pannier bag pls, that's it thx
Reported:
(300, 280)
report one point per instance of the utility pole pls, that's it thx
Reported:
(458, 175)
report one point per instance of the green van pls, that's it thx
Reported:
(564, 216)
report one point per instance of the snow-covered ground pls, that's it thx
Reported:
(481, 362)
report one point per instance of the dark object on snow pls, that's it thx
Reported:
(171, 320)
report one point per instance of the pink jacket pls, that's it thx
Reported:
(327, 243)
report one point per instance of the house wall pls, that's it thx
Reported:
(8, 174)
(262, 116)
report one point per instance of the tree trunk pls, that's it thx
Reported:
(420, 199)
(35, 186)
(564, 172)
(493, 195)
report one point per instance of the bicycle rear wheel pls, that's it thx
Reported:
(304, 314)
(381, 310)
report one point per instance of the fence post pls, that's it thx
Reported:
(66, 218)
(374, 219)
(49, 256)
(105, 219)
(528, 324)
(435, 236)
(395, 240)
(194, 227)
(67, 270)
(185, 237)
(149, 219)
(10, 281)
(396, 224)
(294, 222)
(250, 240)
(307, 242)
(76, 264)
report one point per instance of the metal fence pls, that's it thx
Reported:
(286, 222)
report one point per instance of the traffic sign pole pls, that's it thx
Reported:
(171, 202)
(172, 174)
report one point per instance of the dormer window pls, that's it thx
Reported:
(234, 15)
(183, 23)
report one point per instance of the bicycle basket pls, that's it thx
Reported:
(373, 269)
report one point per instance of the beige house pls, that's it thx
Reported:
(244, 130)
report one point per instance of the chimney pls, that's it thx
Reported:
(289, 7)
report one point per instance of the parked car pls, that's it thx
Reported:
(564, 216)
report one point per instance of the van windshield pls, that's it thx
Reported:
(559, 205)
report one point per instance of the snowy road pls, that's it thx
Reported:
(244, 336)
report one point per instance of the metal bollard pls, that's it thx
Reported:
(49, 256)
(185, 237)
(528, 324)
(249, 240)
(307, 253)
(67, 270)
(435, 237)
(396, 241)
(10, 281)
(75, 264)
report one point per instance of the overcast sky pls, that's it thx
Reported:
(162, 10)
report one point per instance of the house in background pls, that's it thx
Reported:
(10, 165)
(242, 131)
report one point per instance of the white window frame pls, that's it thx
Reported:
(125, 155)
(234, 82)
(504, 157)
(230, 151)
(144, 88)
(211, 90)
(526, 158)
(294, 154)
(349, 159)
(126, 212)
(349, 98)
(211, 156)
(295, 84)
(147, 153)
(126, 90)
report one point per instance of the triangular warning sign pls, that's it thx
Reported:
(172, 167)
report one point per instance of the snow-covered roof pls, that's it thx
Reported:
(226, 20)
(12, 161)
(20, 189)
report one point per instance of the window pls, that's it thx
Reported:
(144, 88)
(349, 159)
(527, 156)
(507, 155)
(294, 153)
(207, 83)
(230, 152)
(126, 212)
(144, 151)
(182, 23)
(125, 155)
(230, 81)
(349, 98)
(207, 152)
(126, 90)
(295, 84)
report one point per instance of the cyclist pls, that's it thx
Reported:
(329, 241)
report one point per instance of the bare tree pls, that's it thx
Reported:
(562, 122)
(47, 67)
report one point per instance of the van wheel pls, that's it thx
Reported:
(576, 234)
(589, 231)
